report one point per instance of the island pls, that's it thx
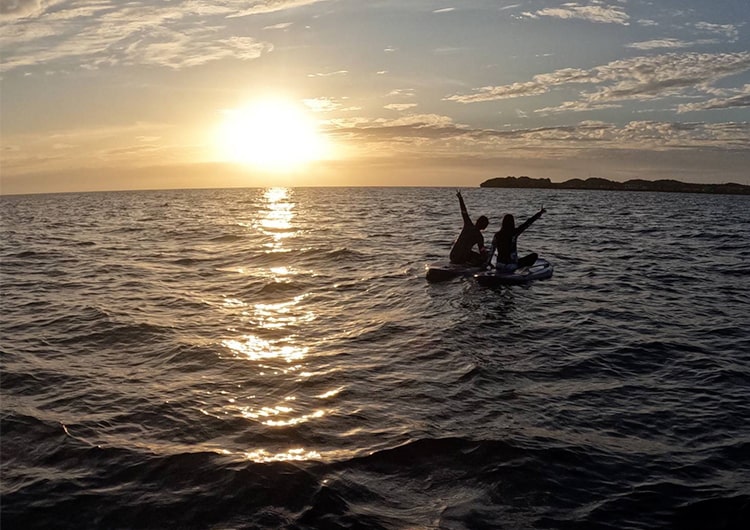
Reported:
(596, 183)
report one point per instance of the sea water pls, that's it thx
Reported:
(274, 358)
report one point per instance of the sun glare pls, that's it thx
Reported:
(271, 134)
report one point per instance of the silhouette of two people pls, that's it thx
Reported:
(504, 242)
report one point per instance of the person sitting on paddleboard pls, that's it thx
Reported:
(505, 240)
(471, 234)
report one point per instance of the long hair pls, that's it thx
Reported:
(509, 223)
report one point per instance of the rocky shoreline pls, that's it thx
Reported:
(595, 183)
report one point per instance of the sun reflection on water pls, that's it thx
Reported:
(292, 455)
(278, 416)
(277, 222)
(254, 348)
(265, 335)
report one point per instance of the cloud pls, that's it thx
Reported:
(668, 74)
(738, 100)
(95, 34)
(638, 78)
(604, 14)
(676, 135)
(329, 74)
(328, 105)
(730, 31)
(659, 43)
(259, 7)
(83, 146)
(540, 84)
(11, 9)
(412, 127)
(282, 25)
(435, 134)
(182, 51)
(400, 106)
(575, 106)
(402, 92)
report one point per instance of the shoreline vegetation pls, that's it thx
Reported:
(596, 183)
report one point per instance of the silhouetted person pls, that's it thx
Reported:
(505, 240)
(471, 234)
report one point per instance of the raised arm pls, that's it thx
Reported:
(529, 221)
(464, 213)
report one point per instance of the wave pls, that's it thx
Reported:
(451, 482)
(283, 287)
(719, 513)
(602, 398)
(109, 487)
(229, 238)
(190, 262)
(431, 453)
(27, 254)
(340, 255)
(378, 331)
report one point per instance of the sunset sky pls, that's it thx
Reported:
(104, 94)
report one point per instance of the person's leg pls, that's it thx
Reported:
(528, 261)
(476, 258)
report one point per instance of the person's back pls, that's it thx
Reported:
(471, 234)
(506, 241)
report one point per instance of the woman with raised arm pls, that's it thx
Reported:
(505, 242)
(471, 234)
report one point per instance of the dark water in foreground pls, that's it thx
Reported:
(275, 359)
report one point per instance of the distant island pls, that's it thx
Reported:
(595, 183)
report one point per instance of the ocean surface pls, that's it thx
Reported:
(275, 358)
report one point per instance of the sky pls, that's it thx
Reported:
(147, 94)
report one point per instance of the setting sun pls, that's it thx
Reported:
(271, 134)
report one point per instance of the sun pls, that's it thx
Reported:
(271, 134)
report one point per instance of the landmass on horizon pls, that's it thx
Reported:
(597, 183)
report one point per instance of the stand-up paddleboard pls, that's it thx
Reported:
(441, 271)
(538, 271)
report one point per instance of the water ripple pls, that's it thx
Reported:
(274, 358)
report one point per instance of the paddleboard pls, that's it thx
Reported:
(441, 271)
(540, 270)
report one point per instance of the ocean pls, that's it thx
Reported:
(275, 358)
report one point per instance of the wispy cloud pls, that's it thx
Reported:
(402, 92)
(741, 99)
(730, 31)
(667, 74)
(87, 146)
(597, 12)
(660, 43)
(329, 104)
(400, 106)
(243, 8)
(637, 78)
(329, 74)
(180, 34)
(11, 9)
(282, 25)
(540, 84)
(434, 133)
